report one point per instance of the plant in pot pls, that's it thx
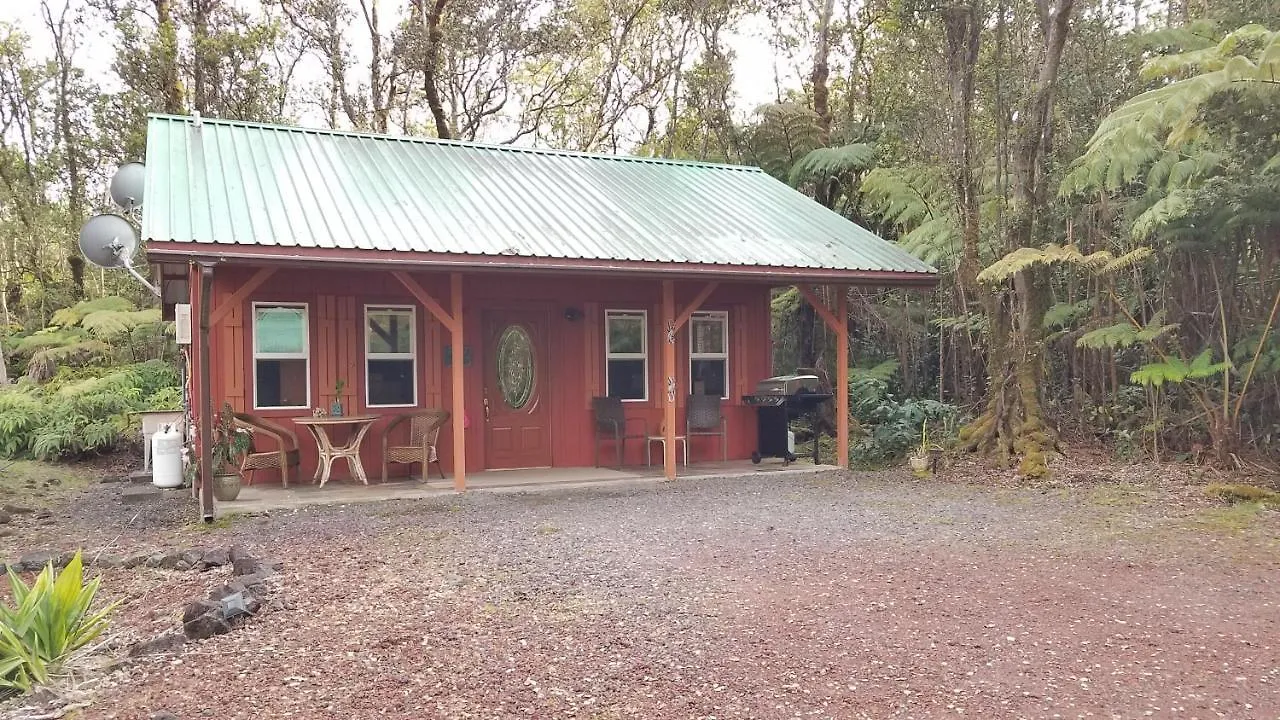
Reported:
(924, 460)
(335, 408)
(229, 442)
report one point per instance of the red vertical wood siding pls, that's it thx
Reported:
(575, 352)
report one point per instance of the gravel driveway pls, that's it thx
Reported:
(828, 596)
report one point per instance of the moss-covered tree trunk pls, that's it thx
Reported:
(1013, 424)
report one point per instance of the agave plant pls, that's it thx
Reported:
(47, 623)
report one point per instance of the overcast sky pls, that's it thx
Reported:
(753, 81)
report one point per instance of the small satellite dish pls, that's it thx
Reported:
(109, 241)
(128, 186)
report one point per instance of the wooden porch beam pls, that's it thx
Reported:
(669, 378)
(424, 297)
(220, 313)
(206, 396)
(692, 308)
(842, 377)
(820, 307)
(459, 390)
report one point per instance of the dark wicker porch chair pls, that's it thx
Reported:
(704, 418)
(283, 456)
(424, 433)
(611, 423)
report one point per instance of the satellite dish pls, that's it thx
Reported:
(109, 241)
(128, 186)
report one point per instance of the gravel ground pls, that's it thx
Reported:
(828, 596)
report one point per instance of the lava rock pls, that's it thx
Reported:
(169, 560)
(202, 619)
(5, 518)
(44, 514)
(217, 557)
(160, 644)
(36, 561)
(163, 715)
(16, 509)
(136, 560)
(246, 566)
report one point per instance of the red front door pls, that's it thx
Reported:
(516, 402)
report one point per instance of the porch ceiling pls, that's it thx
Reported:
(245, 191)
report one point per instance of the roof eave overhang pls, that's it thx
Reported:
(168, 251)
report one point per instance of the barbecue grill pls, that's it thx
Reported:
(778, 401)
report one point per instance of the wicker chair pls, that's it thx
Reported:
(611, 424)
(284, 456)
(703, 418)
(424, 431)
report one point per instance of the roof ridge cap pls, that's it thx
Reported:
(422, 140)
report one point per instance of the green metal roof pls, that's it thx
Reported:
(226, 184)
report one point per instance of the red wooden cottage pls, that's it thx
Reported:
(318, 256)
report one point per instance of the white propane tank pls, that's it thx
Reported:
(166, 457)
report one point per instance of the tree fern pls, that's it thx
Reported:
(1176, 370)
(822, 164)
(918, 201)
(782, 135)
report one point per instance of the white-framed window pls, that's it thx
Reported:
(390, 356)
(709, 353)
(281, 356)
(626, 356)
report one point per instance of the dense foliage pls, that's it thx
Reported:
(83, 376)
(1098, 183)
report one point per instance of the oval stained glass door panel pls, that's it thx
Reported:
(515, 366)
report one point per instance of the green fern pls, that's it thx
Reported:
(782, 135)
(1176, 370)
(822, 164)
(109, 323)
(1125, 335)
(1063, 315)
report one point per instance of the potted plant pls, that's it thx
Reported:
(925, 458)
(229, 442)
(335, 409)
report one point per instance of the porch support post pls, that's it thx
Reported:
(842, 376)
(669, 378)
(206, 396)
(459, 390)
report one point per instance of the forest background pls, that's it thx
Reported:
(1098, 183)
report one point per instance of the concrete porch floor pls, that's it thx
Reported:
(262, 498)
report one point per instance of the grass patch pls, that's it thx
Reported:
(222, 523)
(1119, 495)
(39, 484)
(1233, 518)
(548, 529)
(1238, 493)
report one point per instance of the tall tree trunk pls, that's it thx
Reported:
(431, 66)
(822, 70)
(63, 50)
(1014, 424)
(171, 83)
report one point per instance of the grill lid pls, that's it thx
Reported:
(785, 385)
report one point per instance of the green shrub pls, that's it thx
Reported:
(48, 622)
(891, 425)
(81, 412)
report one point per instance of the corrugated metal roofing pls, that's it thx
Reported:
(234, 183)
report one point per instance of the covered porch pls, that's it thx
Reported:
(272, 498)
